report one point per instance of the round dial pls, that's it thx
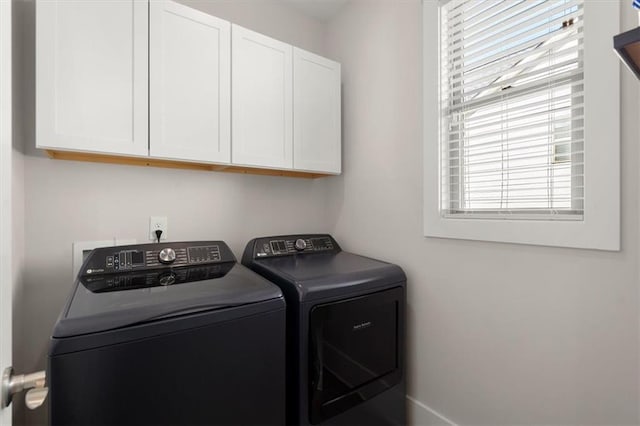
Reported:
(301, 244)
(167, 255)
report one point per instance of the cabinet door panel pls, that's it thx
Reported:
(316, 113)
(190, 84)
(262, 100)
(92, 76)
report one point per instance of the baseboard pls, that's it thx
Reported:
(420, 414)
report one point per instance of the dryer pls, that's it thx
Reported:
(168, 334)
(345, 330)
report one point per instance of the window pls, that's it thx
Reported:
(512, 108)
(521, 121)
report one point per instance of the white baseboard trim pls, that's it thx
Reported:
(436, 418)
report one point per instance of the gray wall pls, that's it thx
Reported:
(69, 201)
(499, 334)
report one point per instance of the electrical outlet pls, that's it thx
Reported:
(158, 223)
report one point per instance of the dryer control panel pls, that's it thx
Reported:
(143, 257)
(288, 245)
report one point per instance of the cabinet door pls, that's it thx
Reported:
(316, 113)
(262, 100)
(92, 76)
(190, 84)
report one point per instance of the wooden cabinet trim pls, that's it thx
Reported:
(151, 162)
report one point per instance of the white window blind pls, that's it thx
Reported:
(511, 109)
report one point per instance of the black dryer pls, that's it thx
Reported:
(345, 330)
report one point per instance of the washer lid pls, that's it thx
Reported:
(316, 276)
(107, 302)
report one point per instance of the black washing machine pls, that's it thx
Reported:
(345, 330)
(168, 334)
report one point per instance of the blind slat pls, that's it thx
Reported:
(526, 104)
(566, 115)
(567, 80)
(549, 215)
(512, 171)
(513, 152)
(517, 81)
(510, 159)
(497, 188)
(521, 181)
(504, 132)
(522, 139)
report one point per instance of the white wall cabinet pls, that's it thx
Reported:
(161, 81)
(262, 85)
(286, 105)
(190, 84)
(92, 76)
(316, 113)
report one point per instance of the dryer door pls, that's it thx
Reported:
(354, 351)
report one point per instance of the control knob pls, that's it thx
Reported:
(300, 244)
(167, 255)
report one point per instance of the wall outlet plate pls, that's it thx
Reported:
(158, 223)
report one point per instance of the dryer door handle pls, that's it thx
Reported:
(318, 359)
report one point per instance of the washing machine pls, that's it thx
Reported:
(345, 330)
(168, 334)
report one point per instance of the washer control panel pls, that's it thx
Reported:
(155, 256)
(293, 244)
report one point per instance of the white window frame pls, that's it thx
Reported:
(600, 228)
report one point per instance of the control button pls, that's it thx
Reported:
(301, 244)
(167, 255)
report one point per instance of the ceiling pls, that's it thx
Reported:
(322, 10)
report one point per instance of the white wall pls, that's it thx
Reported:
(499, 334)
(270, 17)
(7, 170)
(17, 181)
(555, 344)
(69, 201)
